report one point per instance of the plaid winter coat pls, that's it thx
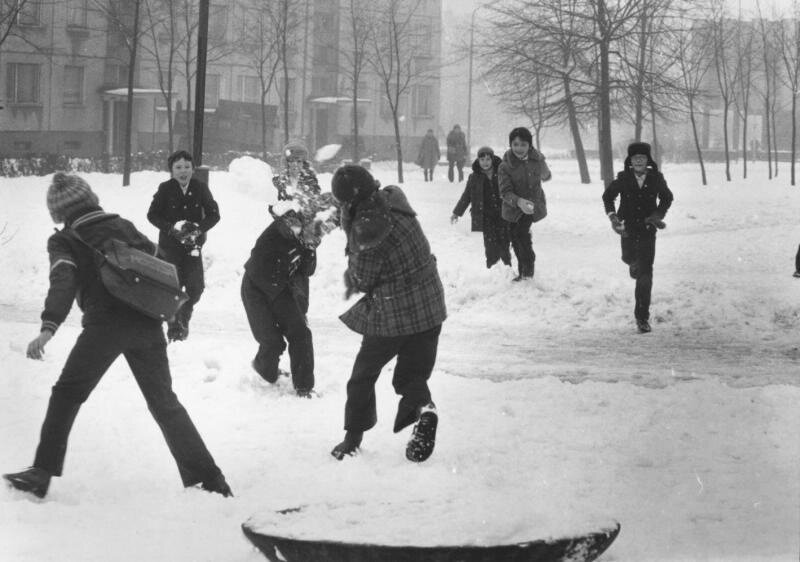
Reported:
(390, 261)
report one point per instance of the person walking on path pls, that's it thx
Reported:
(520, 178)
(457, 153)
(429, 154)
(275, 294)
(400, 314)
(483, 198)
(644, 201)
(183, 210)
(110, 329)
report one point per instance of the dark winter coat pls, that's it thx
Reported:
(74, 274)
(638, 203)
(429, 152)
(456, 146)
(523, 178)
(278, 260)
(481, 195)
(170, 205)
(390, 261)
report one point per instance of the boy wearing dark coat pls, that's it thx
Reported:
(520, 183)
(400, 314)
(483, 198)
(110, 329)
(644, 201)
(457, 152)
(429, 154)
(183, 210)
(275, 297)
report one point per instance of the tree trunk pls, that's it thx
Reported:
(697, 142)
(604, 123)
(398, 145)
(574, 128)
(794, 136)
(639, 88)
(126, 167)
(725, 107)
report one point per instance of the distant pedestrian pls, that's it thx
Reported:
(400, 314)
(184, 210)
(520, 183)
(457, 153)
(275, 294)
(429, 154)
(110, 329)
(299, 191)
(644, 201)
(797, 263)
(482, 196)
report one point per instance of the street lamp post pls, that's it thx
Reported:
(200, 84)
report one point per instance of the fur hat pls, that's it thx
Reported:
(521, 133)
(639, 148)
(352, 183)
(67, 195)
(295, 149)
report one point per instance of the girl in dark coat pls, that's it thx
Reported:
(110, 329)
(183, 210)
(429, 154)
(644, 201)
(483, 198)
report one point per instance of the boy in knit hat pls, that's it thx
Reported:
(110, 329)
(400, 314)
(299, 191)
(644, 201)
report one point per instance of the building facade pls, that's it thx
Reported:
(65, 69)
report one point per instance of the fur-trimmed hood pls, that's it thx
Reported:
(370, 221)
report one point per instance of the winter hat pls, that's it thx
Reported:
(485, 150)
(352, 183)
(68, 194)
(521, 133)
(639, 148)
(295, 149)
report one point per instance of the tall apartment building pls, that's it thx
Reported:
(64, 75)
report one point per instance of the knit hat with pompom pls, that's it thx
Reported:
(67, 195)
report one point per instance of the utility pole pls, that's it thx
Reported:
(200, 84)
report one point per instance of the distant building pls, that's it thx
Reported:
(64, 73)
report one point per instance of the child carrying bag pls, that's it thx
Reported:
(143, 282)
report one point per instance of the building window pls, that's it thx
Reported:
(212, 91)
(23, 83)
(73, 85)
(250, 87)
(323, 85)
(76, 13)
(422, 101)
(217, 22)
(28, 13)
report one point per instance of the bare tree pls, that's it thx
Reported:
(162, 24)
(287, 26)
(10, 11)
(744, 55)
(789, 47)
(394, 50)
(694, 47)
(353, 55)
(725, 71)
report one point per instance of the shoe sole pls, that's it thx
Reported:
(25, 486)
(423, 440)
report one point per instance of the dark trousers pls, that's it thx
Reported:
(272, 320)
(797, 260)
(523, 245)
(428, 174)
(145, 350)
(458, 164)
(190, 276)
(639, 252)
(496, 240)
(416, 355)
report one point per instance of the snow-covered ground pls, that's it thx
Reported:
(555, 414)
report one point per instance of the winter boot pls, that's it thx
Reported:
(796, 273)
(218, 485)
(643, 326)
(423, 438)
(350, 445)
(33, 480)
(305, 392)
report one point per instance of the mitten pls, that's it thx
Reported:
(453, 219)
(525, 205)
(617, 225)
(655, 220)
